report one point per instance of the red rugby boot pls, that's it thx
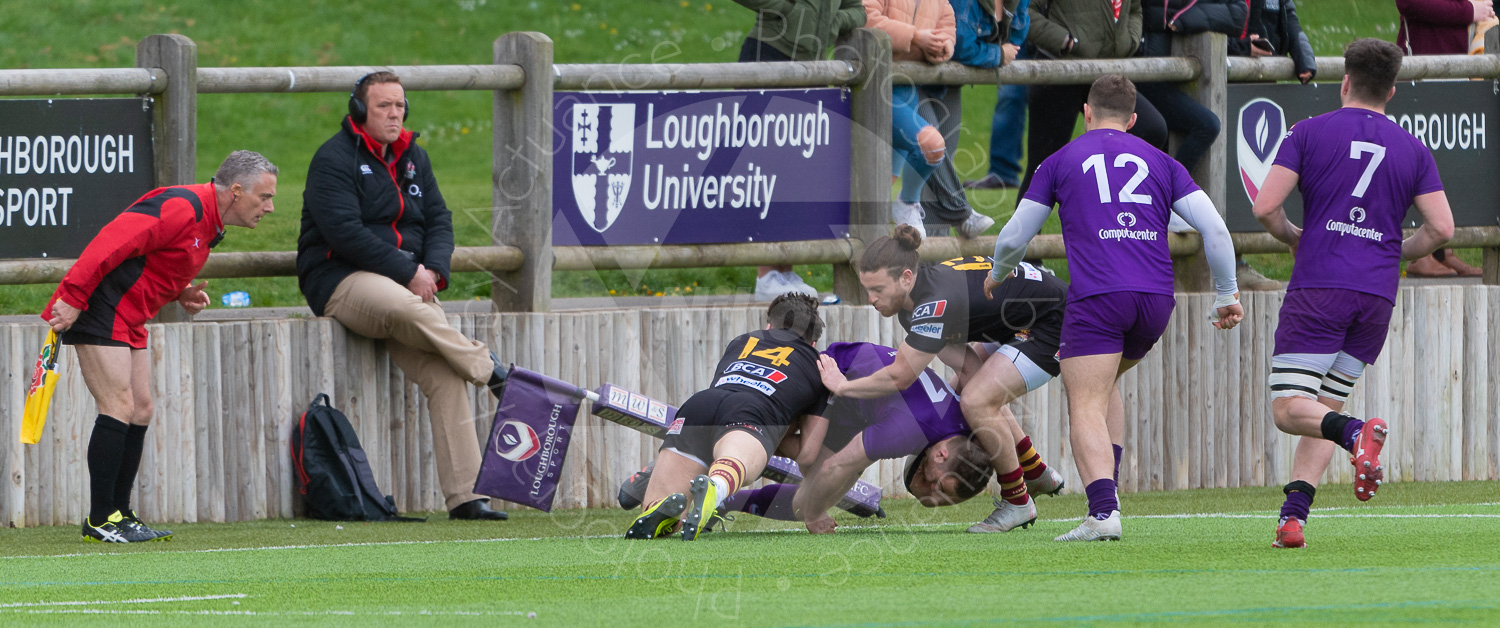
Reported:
(1368, 472)
(1289, 534)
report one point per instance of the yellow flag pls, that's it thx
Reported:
(39, 395)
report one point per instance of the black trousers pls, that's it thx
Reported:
(1054, 114)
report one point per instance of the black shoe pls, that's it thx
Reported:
(478, 510)
(633, 490)
(497, 378)
(111, 531)
(131, 522)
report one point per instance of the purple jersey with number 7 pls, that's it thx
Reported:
(1358, 173)
(1114, 194)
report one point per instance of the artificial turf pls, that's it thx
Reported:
(1420, 553)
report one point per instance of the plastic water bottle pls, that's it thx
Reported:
(238, 298)
(831, 299)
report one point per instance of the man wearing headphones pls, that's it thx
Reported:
(374, 252)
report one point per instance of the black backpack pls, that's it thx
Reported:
(333, 472)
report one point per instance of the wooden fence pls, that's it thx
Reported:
(1197, 410)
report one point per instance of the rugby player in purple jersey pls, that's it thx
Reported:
(1001, 348)
(1358, 173)
(1115, 195)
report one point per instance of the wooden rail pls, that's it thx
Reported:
(1047, 72)
(617, 76)
(1197, 411)
(339, 79)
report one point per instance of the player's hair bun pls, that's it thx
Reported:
(908, 237)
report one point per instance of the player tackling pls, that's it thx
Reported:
(1358, 173)
(1115, 194)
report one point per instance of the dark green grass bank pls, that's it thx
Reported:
(1424, 554)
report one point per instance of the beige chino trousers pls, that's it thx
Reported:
(434, 355)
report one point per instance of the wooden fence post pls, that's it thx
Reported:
(1490, 262)
(523, 174)
(1212, 91)
(869, 151)
(174, 124)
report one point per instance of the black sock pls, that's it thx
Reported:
(130, 463)
(1333, 427)
(106, 448)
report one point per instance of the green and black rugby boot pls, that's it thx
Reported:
(703, 503)
(657, 521)
(132, 521)
(112, 531)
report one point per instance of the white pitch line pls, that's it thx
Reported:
(106, 611)
(154, 600)
(1236, 515)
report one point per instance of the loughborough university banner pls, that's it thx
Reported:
(1450, 117)
(68, 167)
(700, 167)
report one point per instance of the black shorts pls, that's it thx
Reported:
(710, 414)
(71, 337)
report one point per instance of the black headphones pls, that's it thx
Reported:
(357, 110)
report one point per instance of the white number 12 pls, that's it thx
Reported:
(1358, 148)
(1095, 162)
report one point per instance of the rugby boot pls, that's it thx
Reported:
(1289, 533)
(658, 520)
(112, 532)
(129, 520)
(702, 504)
(633, 489)
(1049, 483)
(1095, 530)
(1368, 472)
(1007, 517)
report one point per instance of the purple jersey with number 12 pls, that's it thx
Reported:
(1114, 194)
(1358, 172)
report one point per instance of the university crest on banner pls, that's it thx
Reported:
(603, 145)
(1262, 127)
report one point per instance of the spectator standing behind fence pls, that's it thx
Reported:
(374, 252)
(984, 41)
(794, 30)
(1440, 27)
(1080, 29)
(922, 30)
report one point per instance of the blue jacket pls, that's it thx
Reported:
(977, 41)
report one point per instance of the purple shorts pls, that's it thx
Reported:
(1330, 320)
(1124, 322)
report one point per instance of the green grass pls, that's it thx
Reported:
(1413, 556)
(456, 126)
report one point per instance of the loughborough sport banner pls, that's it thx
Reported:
(1450, 117)
(67, 167)
(700, 167)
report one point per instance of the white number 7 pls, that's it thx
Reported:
(1355, 149)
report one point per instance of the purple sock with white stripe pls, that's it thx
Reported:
(1102, 499)
(1119, 452)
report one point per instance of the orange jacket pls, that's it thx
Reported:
(901, 19)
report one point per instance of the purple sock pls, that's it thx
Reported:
(1119, 451)
(1102, 498)
(1297, 505)
(774, 501)
(1351, 433)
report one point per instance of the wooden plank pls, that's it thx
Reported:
(1477, 380)
(14, 380)
(208, 407)
(1493, 361)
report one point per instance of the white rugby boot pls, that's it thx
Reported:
(1095, 530)
(1007, 517)
(1050, 483)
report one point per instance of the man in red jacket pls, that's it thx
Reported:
(143, 259)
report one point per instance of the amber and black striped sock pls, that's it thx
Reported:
(728, 474)
(1031, 462)
(1013, 487)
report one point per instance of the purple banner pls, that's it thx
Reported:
(700, 167)
(529, 440)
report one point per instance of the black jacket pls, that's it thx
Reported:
(1190, 16)
(362, 213)
(1276, 20)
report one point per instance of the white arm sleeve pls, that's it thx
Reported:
(1199, 212)
(1010, 247)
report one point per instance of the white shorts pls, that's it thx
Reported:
(1034, 376)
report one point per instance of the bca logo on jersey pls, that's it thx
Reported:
(931, 309)
(517, 441)
(603, 144)
(757, 370)
(1262, 127)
